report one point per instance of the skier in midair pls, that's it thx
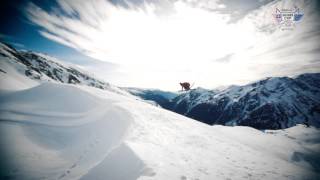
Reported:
(185, 86)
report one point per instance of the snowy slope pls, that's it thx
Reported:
(271, 103)
(51, 130)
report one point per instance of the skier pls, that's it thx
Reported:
(185, 86)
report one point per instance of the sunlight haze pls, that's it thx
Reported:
(157, 44)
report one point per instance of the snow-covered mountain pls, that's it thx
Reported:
(55, 130)
(272, 103)
(42, 68)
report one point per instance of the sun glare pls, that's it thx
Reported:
(184, 42)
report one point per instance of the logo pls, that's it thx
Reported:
(287, 18)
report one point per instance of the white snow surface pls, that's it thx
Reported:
(12, 75)
(51, 130)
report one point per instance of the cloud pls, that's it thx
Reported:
(282, 53)
(104, 31)
(225, 59)
(184, 40)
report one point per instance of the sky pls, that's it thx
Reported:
(159, 43)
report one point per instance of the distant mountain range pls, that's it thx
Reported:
(159, 97)
(271, 103)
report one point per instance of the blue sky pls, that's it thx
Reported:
(157, 44)
(17, 30)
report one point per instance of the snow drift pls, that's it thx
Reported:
(57, 131)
